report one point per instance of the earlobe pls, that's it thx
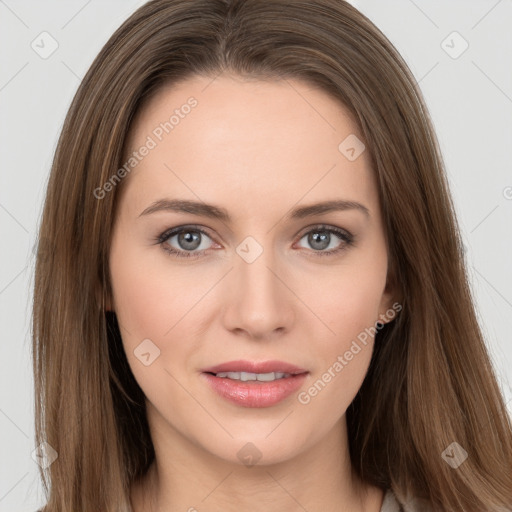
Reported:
(104, 299)
(108, 302)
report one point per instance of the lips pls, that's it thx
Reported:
(255, 393)
(255, 367)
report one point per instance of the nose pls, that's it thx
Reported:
(261, 303)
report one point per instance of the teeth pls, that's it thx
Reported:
(245, 376)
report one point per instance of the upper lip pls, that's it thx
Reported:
(255, 367)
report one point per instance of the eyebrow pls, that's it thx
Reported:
(216, 212)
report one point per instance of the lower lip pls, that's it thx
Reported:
(255, 393)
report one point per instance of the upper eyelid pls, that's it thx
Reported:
(168, 233)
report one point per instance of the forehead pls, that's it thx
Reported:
(233, 97)
(226, 136)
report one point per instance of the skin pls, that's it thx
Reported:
(256, 149)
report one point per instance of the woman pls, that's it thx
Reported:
(253, 293)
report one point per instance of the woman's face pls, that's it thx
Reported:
(268, 278)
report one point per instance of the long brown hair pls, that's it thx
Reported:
(430, 381)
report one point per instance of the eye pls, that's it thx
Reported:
(321, 238)
(189, 241)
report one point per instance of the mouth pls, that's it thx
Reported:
(252, 377)
(250, 384)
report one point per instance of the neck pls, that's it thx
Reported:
(184, 477)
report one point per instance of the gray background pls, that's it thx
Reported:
(469, 97)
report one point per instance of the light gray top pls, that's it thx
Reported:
(391, 504)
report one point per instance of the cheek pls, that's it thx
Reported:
(151, 304)
(330, 391)
(347, 301)
(150, 294)
(342, 356)
(168, 303)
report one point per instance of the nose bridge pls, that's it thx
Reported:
(253, 269)
(260, 303)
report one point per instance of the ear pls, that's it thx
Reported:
(391, 299)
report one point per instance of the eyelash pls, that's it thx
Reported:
(344, 235)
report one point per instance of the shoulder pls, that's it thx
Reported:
(391, 504)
